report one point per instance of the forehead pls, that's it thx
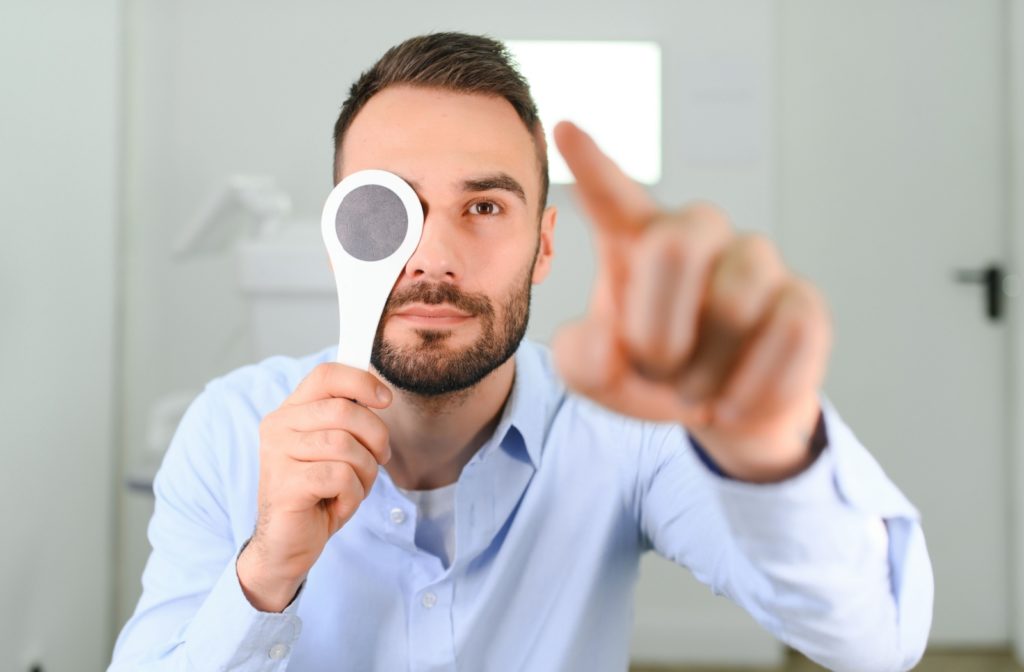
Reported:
(430, 135)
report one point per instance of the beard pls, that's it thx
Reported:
(431, 368)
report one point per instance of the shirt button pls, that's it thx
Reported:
(429, 600)
(397, 516)
(278, 651)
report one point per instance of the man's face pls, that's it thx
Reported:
(460, 306)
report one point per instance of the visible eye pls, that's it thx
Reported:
(485, 208)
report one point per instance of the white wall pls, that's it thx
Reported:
(59, 68)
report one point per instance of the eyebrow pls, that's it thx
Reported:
(502, 181)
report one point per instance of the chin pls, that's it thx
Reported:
(415, 338)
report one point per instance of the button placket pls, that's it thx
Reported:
(430, 625)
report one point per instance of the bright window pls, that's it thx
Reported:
(610, 89)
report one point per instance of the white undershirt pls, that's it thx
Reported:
(435, 524)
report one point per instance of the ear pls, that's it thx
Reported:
(546, 250)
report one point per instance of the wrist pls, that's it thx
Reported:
(760, 458)
(266, 590)
(775, 471)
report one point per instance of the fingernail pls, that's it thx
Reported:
(383, 394)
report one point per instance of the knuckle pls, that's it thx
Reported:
(346, 448)
(267, 432)
(333, 443)
(320, 372)
(798, 335)
(339, 412)
(802, 330)
(687, 238)
(349, 447)
(264, 432)
(269, 421)
(750, 264)
(372, 475)
(346, 506)
(734, 308)
(353, 484)
(755, 252)
(365, 473)
(657, 357)
(669, 243)
(379, 437)
(805, 301)
(708, 216)
(368, 459)
(321, 473)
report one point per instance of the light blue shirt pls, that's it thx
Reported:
(552, 515)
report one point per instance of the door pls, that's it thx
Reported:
(892, 177)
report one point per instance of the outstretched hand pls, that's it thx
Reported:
(693, 323)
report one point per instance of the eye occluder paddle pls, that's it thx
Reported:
(371, 224)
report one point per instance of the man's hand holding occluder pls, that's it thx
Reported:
(319, 455)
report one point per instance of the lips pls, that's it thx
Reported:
(426, 316)
(431, 312)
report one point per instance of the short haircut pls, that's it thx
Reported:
(456, 62)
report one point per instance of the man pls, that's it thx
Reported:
(458, 508)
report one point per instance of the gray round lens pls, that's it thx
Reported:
(371, 222)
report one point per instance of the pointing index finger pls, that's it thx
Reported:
(614, 200)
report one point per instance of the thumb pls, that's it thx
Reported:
(585, 355)
(591, 361)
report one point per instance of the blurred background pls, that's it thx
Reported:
(162, 170)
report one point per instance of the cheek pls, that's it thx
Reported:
(495, 262)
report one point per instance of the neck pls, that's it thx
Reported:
(432, 438)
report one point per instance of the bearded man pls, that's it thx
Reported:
(476, 502)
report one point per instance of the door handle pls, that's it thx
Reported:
(998, 285)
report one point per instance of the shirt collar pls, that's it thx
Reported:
(527, 409)
(535, 394)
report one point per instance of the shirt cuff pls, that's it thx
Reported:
(817, 443)
(841, 514)
(847, 469)
(229, 633)
(840, 491)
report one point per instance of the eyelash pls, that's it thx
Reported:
(497, 209)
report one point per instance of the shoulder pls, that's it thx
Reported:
(217, 437)
(260, 387)
(222, 421)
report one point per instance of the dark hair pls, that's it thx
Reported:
(453, 61)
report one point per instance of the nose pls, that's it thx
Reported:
(437, 257)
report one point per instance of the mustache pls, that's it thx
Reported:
(433, 294)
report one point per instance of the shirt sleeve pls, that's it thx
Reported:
(193, 614)
(832, 561)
